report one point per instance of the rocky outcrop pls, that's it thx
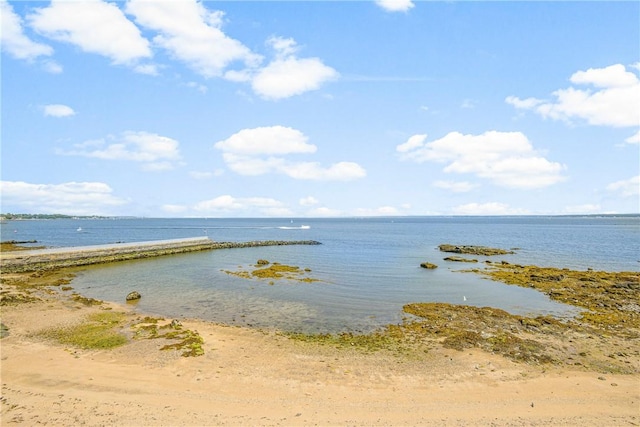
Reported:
(428, 265)
(459, 259)
(133, 296)
(473, 250)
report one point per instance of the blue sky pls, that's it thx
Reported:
(312, 109)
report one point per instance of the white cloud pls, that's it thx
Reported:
(633, 139)
(58, 110)
(95, 26)
(341, 171)
(52, 67)
(395, 5)
(309, 201)
(456, 187)
(154, 152)
(490, 208)
(416, 141)
(506, 158)
(70, 198)
(227, 204)
(614, 102)
(259, 151)
(192, 34)
(524, 104)
(148, 69)
(267, 140)
(13, 39)
(626, 188)
(288, 75)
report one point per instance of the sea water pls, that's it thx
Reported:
(366, 268)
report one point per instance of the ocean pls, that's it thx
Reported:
(366, 268)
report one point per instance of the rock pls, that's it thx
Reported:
(459, 259)
(133, 296)
(262, 262)
(473, 250)
(428, 265)
(175, 324)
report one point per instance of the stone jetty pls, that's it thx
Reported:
(48, 259)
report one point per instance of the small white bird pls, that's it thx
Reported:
(464, 298)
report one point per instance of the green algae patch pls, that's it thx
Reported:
(98, 331)
(383, 340)
(491, 329)
(14, 245)
(612, 299)
(473, 250)
(189, 342)
(264, 269)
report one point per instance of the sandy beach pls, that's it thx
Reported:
(251, 377)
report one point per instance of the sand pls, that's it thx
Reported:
(249, 377)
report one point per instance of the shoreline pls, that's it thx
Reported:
(259, 377)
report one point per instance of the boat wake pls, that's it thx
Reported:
(302, 227)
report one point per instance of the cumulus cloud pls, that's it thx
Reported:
(58, 110)
(70, 198)
(260, 150)
(627, 187)
(288, 75)
(395, 5)
(154, 152)
(267, 140)
(192, 34)
(490, 208)
(94, 26)
(227, 204)
(506, 158)
(612, 98)
(455, 186)
(13, 39)
(416, 141)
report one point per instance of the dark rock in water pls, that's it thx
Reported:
(262, 262)
(473, 250)
(428, 265)
(133, 296)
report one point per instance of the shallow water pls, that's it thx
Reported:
(367, 268)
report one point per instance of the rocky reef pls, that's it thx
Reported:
(274, 271)
(473, 250)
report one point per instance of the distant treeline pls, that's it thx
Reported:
(11, 216)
